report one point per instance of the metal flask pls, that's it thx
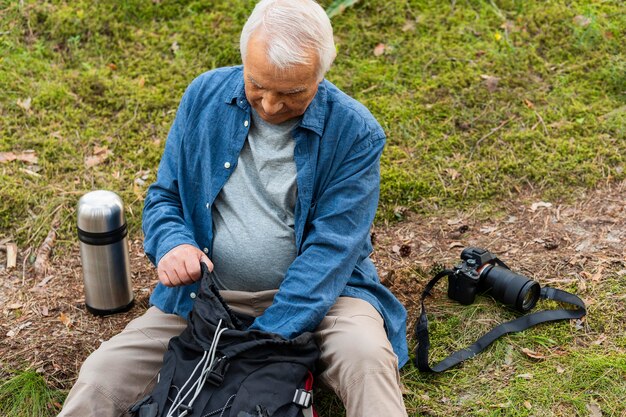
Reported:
(102, 233)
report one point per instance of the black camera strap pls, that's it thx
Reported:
(513, 326)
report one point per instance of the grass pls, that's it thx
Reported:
(481, 101)
(26, 394)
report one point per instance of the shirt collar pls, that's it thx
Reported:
(313, 117)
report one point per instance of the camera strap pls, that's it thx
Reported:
(513, 326)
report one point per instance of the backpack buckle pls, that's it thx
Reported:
(218, 371)
(303, 398)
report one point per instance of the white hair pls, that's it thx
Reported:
(292, 28)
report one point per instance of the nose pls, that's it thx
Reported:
(271, 104)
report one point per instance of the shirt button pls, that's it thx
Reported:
(246, 123)
(226, 165)
(205, 250)
(192, 295)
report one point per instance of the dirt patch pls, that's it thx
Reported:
(45, 324)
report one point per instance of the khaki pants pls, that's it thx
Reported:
(356, 360)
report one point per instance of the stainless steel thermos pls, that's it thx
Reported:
(102, 233)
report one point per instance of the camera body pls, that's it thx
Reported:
(480, 271)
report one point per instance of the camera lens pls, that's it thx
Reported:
(529, 295)
(509, 288)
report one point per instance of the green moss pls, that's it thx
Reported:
(478, 99)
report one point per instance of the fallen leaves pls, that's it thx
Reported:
(65, 319)
(403, 250)
(16, 330)
(379, 49)
(27, 156)
(582, 21)
(24, 104)
(540, 204)
(594, 410)
(532, 354)
(100, 154)
(490, 82)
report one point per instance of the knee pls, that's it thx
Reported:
(356, 349)
(367, 353)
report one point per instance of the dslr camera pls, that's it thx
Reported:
(480, 271)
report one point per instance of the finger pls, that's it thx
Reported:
(207, 261)
(164, 279)
(192, 270)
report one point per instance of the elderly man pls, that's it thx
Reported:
(270, 175)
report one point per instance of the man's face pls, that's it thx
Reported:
(277, 95)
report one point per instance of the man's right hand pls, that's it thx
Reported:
(181, 266)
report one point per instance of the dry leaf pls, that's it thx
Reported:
(582, 21)
(490, 82)
(453, 173)
(594, 410)
(453, 222)
(112, 66)
(528, 405)
(598, 275)
(15, 306)
(456, 245)
(529, 103)
(525, 376)
(379, 49)
(65, 319)
(101, 153)
(408, 26)
(28, 156)
(560, 370)
(396, 249)
(24, 104)
(488, 229)
(532, 354)
(15, 331)
(141, 81)
(539, 204)
(7, 157)
(174, 48)
(600, 340)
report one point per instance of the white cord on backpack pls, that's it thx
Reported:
(206, 363)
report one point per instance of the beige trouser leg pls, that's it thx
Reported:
(356, 359)
(123, 369)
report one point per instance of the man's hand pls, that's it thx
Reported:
(181, 266)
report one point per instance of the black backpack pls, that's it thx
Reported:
(217, 367)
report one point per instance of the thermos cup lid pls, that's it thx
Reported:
(100, 211)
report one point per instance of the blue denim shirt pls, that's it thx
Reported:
(338, 144)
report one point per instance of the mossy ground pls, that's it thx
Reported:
(481, 100)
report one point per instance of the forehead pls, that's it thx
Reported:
(258, 68)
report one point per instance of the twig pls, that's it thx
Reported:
(494, 130)
(43, 253)
(11, 249)
(545, 129)
(26, 256)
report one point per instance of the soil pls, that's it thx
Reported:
(45, 325)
